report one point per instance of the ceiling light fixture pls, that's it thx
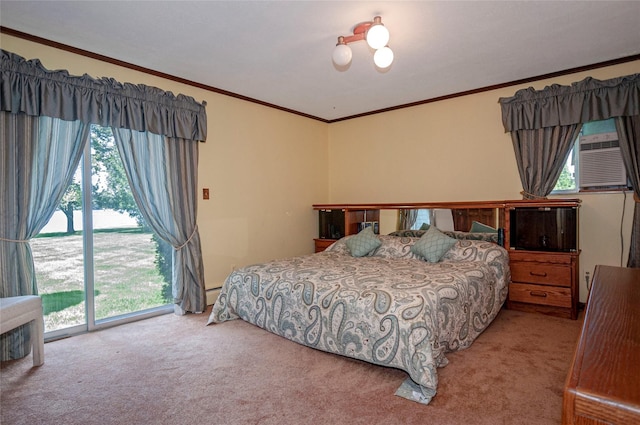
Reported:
(377, 36)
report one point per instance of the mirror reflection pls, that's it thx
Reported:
(444, 219)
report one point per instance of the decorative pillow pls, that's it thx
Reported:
(424, 226)
(477, 227)
(363, 243)
(433, 245)
(395, 247)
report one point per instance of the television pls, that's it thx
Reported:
(544, 229)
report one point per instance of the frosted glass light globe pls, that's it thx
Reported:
(383, 57)
(377, 36)
(341, 55)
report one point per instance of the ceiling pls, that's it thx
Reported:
(279, 52)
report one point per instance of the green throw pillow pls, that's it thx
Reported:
(363, 243)
(433, 245)
(424, 226)
(477, 227)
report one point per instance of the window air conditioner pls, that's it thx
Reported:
(601, 161)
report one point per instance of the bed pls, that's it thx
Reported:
(389, 306)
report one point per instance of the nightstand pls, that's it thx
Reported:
(544, 282)
(542, 239)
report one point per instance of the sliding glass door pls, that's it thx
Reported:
(96, 261)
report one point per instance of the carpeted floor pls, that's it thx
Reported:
(176, 370)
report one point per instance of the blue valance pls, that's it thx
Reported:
(28, 87)
(584, 101)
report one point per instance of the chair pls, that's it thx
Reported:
(17, 311)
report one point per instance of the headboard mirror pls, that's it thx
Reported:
(457, 216)
(460, 219)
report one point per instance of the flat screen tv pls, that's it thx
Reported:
(544, 229)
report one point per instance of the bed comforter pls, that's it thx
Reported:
(390, 308)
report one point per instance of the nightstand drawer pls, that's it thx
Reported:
(540, 294)
(541, 273)
(322, 244)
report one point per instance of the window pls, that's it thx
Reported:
(97, 263)
(595, 162)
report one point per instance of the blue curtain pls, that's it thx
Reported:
(46, 116)
(581, 102)
(38, 157)
(629, 134)
(27, 86)
(162, 173)
(540, 155)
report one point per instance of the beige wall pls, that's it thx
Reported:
(265, 167)
(457, 150)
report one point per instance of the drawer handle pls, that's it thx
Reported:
(543, 274)
(538, 294)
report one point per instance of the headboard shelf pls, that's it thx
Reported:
(337, 220)
(492, 213)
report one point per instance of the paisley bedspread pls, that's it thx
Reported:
(389, 308)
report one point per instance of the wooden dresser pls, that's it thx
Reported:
(603, 385)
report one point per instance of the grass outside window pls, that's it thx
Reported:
(125, 273)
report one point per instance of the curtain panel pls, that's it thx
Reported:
(584, 101)
(38, 156)
(541, 155)
(407, 218)
(629, 134)
(27, 87)
(163, 179)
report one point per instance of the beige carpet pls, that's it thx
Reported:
(176, 370)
